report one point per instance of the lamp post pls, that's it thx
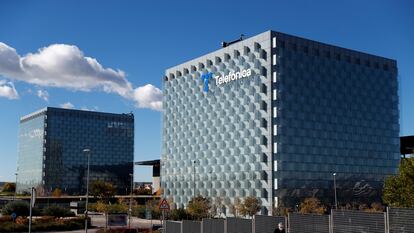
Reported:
(130, 199)
(87, 152)
(336, 200)
(194, 181)
(15, 188)
(211, 188)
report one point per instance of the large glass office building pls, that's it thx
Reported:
(52, 143)
(275, 116)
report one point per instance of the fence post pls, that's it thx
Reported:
(287, 224)
(254, 224)
(387, 220)
(288, 220)
(331, 222)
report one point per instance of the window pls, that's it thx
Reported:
(305, 49)
(294, 47)
(275, 130)
(274, 42)
(274, 112)
(264, 89)
(263, 105)
(275, 184)
(263, 123)
(263, 175)
(276, 201)
(338, 56)
(275, 147)
(274, 59)
(316, 52)
(264, 140)
(264, 158)
(274, 76)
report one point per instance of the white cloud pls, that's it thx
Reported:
(7, 90)
(65, 66)
(148, 96)
(67, 105)
(43, 95)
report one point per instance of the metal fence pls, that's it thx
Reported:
(349, 221)
(172, 227)
(394, 220)
(308, 223)
(267, 224)
(212, 225)
(190, 226)
(400, 220)
(238, 225)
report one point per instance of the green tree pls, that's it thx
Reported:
(281, 210)
(236, 207)
(399, 189)
(102, 190)
(199, 207)
(312, 205)
(250, 206)
(9, 187)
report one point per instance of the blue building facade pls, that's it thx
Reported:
(51, 144)
(275, 116)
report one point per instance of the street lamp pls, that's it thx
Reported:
(130, 199)
(15, 187)
(336, 200)
(87, 152)
(194, 181)
(211, 188)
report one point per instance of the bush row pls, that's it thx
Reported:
(44, 225)
(21, 208)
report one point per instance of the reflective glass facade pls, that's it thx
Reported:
(307, 110)
(66, 133)
(336, 112)
(30, 161)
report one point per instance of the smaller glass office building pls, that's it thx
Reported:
(51, 144)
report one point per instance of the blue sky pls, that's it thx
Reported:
(121, 49)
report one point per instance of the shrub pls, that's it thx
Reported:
(44, 225)
(6, 218)
(178, 214)
(57, 211)
(12, 227)
(21, 208)
(138, 211)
